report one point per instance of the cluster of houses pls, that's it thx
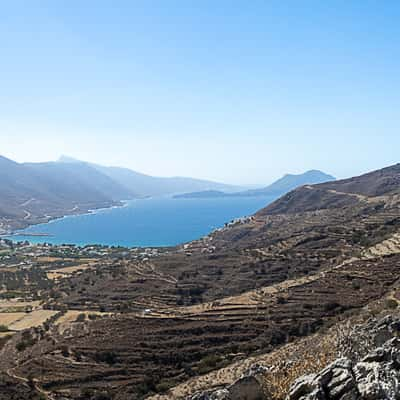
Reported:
(11, 248)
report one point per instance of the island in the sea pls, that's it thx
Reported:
(283, 185)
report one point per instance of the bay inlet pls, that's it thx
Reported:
(158, 221)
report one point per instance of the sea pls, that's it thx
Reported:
(157, 221)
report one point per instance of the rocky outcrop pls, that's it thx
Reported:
(247, 387)
(360, 372)
(375, 377)
(221, 394)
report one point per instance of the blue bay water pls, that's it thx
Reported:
(161, 221)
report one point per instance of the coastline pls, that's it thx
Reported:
(51, 219)
(159, 224)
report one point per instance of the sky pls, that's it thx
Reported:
(231, 90)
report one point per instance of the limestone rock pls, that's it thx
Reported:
(304, 386)
(247, 388)
(221, 394)
(376, 377)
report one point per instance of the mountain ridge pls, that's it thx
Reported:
(33, 193)
(279, 187)
(148, 185)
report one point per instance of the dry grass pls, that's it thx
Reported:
(288, 363)
(4, 335)
(301, 362)
(53, 259)
(70, 317)
(9, 318)
(67, 271)
(16, 306)
(35, 318)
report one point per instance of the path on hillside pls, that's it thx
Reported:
(25, 203)
(361, 197)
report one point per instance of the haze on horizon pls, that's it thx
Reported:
(238, 93)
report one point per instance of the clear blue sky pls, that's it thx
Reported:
(237, 91)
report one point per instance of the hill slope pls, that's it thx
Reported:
(340, 193)
(190, 318)
(32, 193)
(146, 185)
(79, 182)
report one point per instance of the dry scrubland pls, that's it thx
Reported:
(281, 289)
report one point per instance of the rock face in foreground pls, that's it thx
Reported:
(248, 387)
(376, 376)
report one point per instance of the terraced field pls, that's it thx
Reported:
(32, 319)
(314, 257)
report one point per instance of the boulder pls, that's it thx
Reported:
(256, 369)
(220, 394)
(375, 377)
(306, 387)
(332, 382)
(341, 379)
(246, 388)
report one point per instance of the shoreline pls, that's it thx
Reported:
(55, 235)
(76, 213)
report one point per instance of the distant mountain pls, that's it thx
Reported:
(278, 188)
(32, 193)
(290, 181)
(146, 185)
(341, 193)
(80, 181)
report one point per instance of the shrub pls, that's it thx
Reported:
(108, 357)
(21, 346)
(27, 341)
(81, 317)
(331, 306)
(102, 396)
(86, 393)
(4, 340)
(208, 363)
(163, 386)
(3, 328)
(65, 351)
(356, 285)
(281, 300)
(391, 304)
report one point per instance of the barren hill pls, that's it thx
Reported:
(187, 318)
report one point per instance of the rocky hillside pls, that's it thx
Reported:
(34, 193)
(283, 289)
(367, 369)
(369, 188)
